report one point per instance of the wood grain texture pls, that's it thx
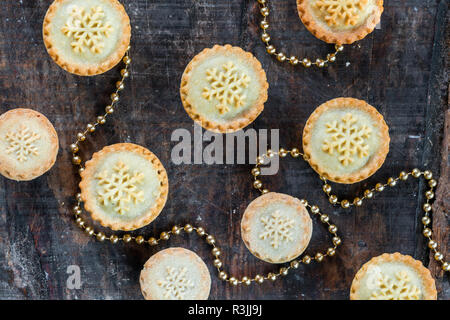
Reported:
(400, 69)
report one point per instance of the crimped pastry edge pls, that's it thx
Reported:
(89, 200)
(173, 252)
(80, 69)
(346, 37)
(428, 282)
(9, 172)
(252, 113)
(377, 160)
(263, 201)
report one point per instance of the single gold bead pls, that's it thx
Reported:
(319, 257)
(78, 220)
(90, 127)
(294, 264)
(326, 188)
(120, 85)
(271, 49)
(306, 259)
(446, 266)
(76, 208)
(260, 160)
(270, 153)
(416, 173)
(429, 194)
(216, 252)
(432, 183)
(306, 62)
(337, 241)
(403, 175)
(438, 256)
(331, 57)
(81, 136)
(391, 182)
(368, 194)
(246, 281)
(139, 239)
(164, 236)
(331, 252)
(257, 184)
(379, 187)
(265, 11)
(188, 228)
(89, 231)
(262, 1)
(126, 60)
(284, 271)
(272, 276)
(428, 174)
(294, 60)
(80, 223)
(152, 241)
(315, 209)
(304, 202)
(281, 57)
(432, 244)
(124, 73)
(233, 281)
(76, 160)
(101, 236)
(427, 232)
(80, 170)
(74, 147)
(264, 25)
(217, 263)
(127, 238)
(109, 109)
(259, 278)
(264, 191)
(176, 230)
(282, 153)
(101, 119)
(223, 275)
(320, 63)
(210, 240)
(256, 172)
(357, 202)
(427, 207)
(332, 228)
(114, 97)
(78, 196)
(339, 47)
(426, 220)
(333, 199)
(324, 218)
(200, 231)
(345, 204)
(295, 152)
(265, 37)
(114, 239)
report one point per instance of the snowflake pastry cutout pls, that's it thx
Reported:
(120, 187)
(347, 139)
(226, 87)
(398, 287)
(175, 284)
(87, 29)
(22, 143)
(341, 10)
(277, 228)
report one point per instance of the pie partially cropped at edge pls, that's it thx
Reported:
(345, 140)
(340, 21)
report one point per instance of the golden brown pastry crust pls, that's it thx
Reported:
(8, 170)
(252, 112)
(81, 69)
(90, 200)
(428, 282)
(344, 37)
(374, 163)
(173, 253)
(263, 201)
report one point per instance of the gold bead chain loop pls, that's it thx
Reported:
(265, 37)
(176, 230)
(368, 194)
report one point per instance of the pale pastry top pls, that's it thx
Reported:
(224, 88)
(342, 15)
(28, 144)
(276, 227)
(393, 277)
(124, 186)
(86, 34)
(175, 274)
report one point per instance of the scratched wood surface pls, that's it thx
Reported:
(399, 68)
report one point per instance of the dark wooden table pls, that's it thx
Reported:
(400, 69)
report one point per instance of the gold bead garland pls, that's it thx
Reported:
(368, 194)
(177, 230)
(282, 57)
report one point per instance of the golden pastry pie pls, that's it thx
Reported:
(340, 21)
(224, 88)
(175, 274)
(276, 227)
(393, 277)
(28, 144)
(346, 140)
(124, 186)
(86, 37)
